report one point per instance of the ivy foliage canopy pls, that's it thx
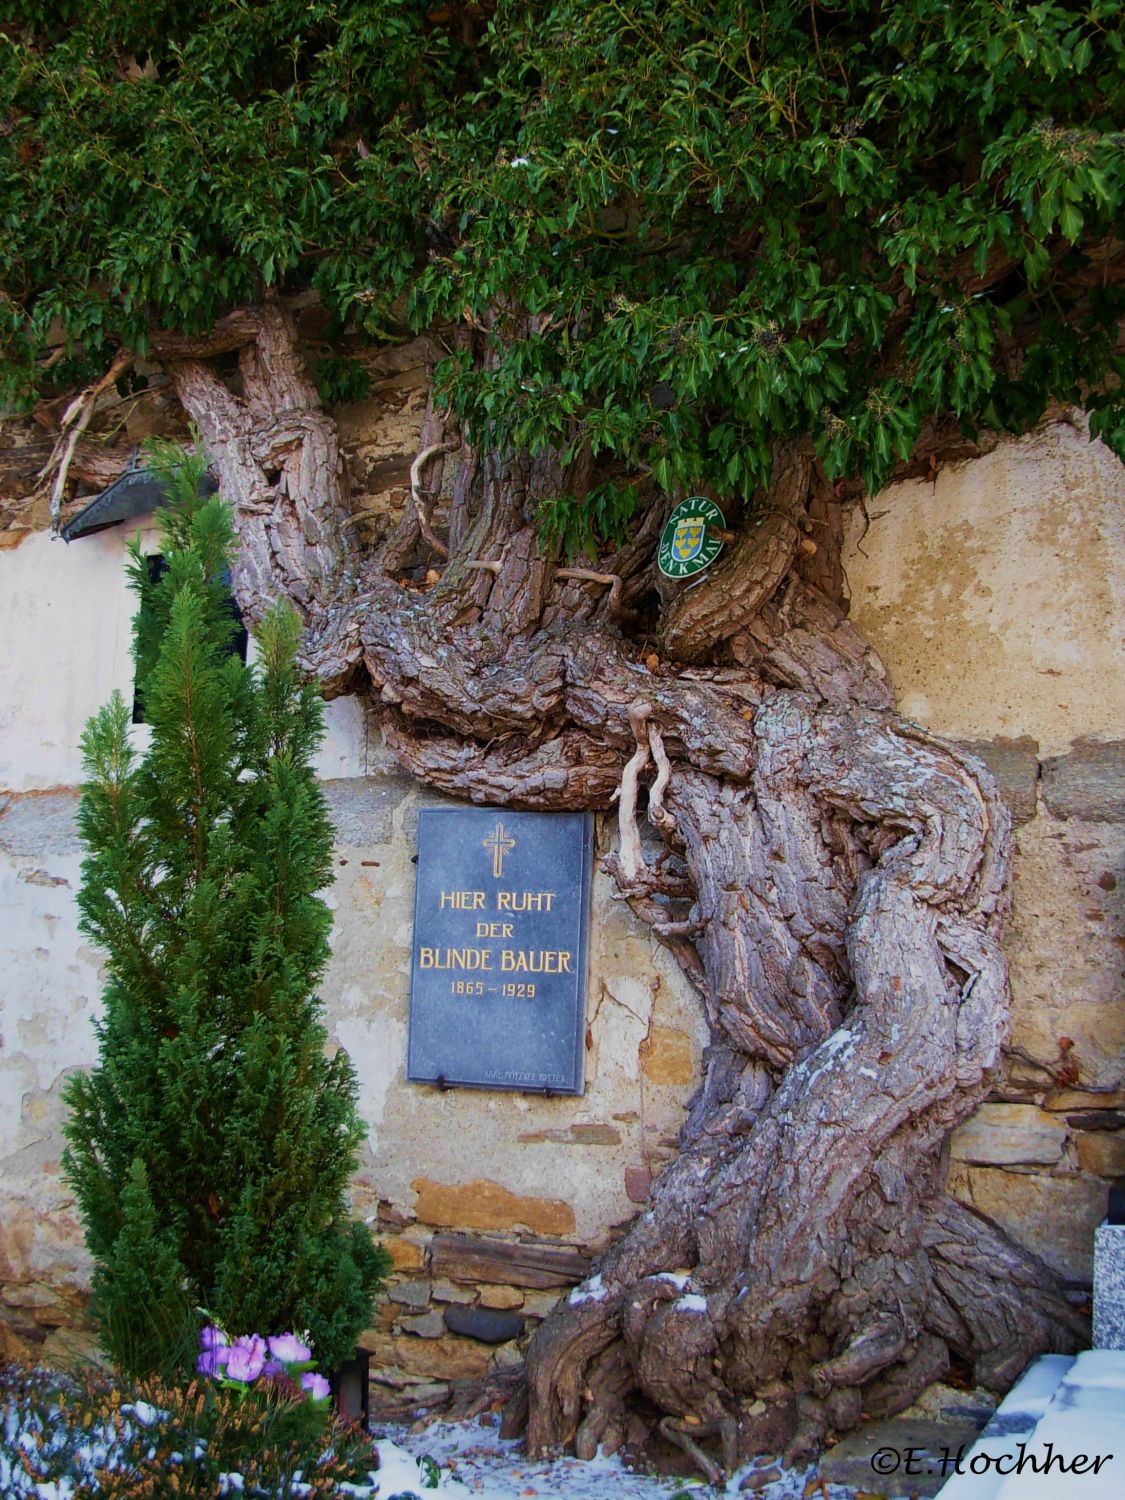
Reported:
(693, 230)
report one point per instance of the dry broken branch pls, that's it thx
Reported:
(74, 422)
(658, 814)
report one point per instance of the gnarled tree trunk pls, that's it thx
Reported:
(832, 878)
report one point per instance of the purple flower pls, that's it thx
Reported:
(212, 1361)
(247, 1357)
(287, 1348)
(316, 1385)
(213, 1337)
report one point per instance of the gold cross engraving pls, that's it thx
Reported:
(500, 842)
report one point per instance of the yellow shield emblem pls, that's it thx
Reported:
(688, 539)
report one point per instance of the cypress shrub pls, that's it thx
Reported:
(211, 1147)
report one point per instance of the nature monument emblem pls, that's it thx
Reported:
(690, 540)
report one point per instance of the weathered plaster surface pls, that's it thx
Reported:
(1066, 949)
(995, 593)
(66, 625)
(49, 988)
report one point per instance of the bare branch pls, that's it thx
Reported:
(613, 581)
(658, 814)
(235, 331)
(74, 422)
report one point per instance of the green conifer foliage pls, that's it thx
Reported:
(211, 1147)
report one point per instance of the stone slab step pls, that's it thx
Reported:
(1014, 1421)
(900, 1459)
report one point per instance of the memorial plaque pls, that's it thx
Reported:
(498, 978)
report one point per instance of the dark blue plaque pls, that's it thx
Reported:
(498, 977)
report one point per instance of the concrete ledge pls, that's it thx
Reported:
(1088, 783)
(1015, 765)
(362, 810)
(362, 807)
(1084, 1422)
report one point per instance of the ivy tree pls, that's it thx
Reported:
(211, 1148)
(773, 254)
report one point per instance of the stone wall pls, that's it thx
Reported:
(990, 594)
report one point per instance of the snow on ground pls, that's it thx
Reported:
(1061, 1410)
(446, 1461)
(475, 1464)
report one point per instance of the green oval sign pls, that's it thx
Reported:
(688, 543)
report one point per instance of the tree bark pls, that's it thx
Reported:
(832, 878)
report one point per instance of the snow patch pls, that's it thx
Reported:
(400, 1470)
(590, 1291)
(678, 1281)
(145, 1413)
(476, 1464)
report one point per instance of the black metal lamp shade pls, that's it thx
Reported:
(137, 492)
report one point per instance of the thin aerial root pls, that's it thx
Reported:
(673, 1430)
(630, 858)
